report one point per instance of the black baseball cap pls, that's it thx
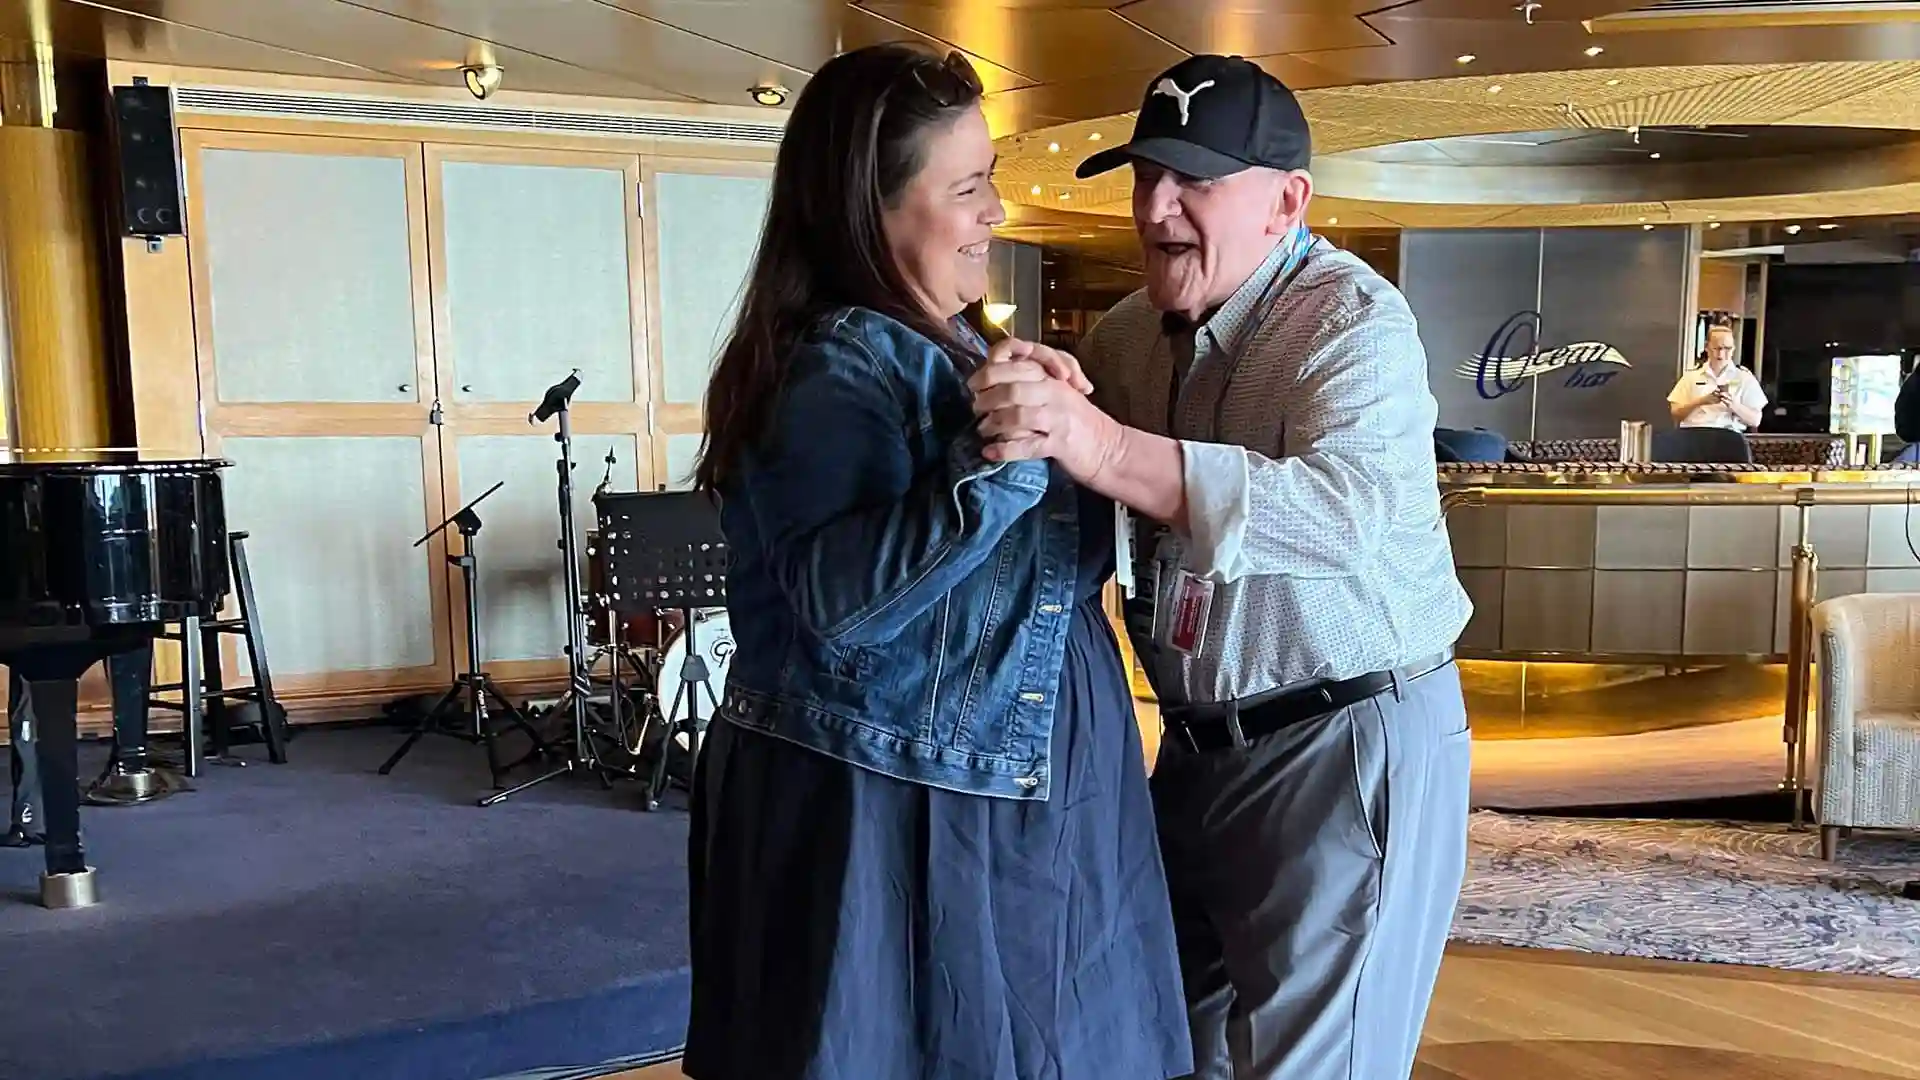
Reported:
(1213, 116)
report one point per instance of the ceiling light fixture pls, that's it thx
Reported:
(1613, 82)
(1035, 189)
(1526, 8)
(482, 79)
(1494, 89)
(1595, 50)
(1828, 225)
(1095, 137)
(1333, 221)
(1655, 155)
(769, 94)
(1465, 58)
(1648, 228)
(1793, 230)
(1713, 224)
(1053, 148)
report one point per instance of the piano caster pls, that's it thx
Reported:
(133, 788)
(65, 892)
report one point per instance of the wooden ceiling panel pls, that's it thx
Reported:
(1049, 44)
(602, 40)
(1237, 28)
(801, 34)
(91, 32)
(1769, 97)
(378, 41)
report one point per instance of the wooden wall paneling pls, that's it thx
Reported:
(509, 323)
(348, 607)
(703, 224)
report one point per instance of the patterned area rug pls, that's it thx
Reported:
(1684, 890)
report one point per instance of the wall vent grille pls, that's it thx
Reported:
(236, 101)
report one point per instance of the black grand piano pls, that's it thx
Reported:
(96, 555)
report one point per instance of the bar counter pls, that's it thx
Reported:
(1615, 598)
(1600, 563)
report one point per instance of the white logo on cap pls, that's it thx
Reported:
(1172, 90)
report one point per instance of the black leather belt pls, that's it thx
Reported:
(1233, 724)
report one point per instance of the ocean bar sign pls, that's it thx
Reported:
(1503, 368)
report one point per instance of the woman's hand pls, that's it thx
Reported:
(1059, 365)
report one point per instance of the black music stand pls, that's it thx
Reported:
(665, 552)
(475, 686)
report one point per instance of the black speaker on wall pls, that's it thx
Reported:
(148, 159)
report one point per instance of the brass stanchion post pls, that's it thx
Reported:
(1800, 658)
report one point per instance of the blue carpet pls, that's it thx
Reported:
(316, 921)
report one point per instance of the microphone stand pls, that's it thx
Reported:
(557, 402)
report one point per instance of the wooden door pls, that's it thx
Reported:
(537, 274)
(308, 261)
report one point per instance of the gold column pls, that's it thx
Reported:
(51, 272)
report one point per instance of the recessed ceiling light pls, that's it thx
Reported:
(1793, 230)
(1613, 82)
(1643, 219)
(1655, 155)
(1065, 195)
(1465, 58)
(1648, 228)
(1034, 190)
(1494, 89)
(1713, 224)
(1095, 137)
(1594, 50)
(1333, 221)
(1086, 236)
(770, 95)
(1828, 225)
(1053, 148)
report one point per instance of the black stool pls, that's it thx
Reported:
(202, 688)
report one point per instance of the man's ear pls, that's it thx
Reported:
(1293, 191)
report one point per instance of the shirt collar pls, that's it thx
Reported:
(1224, 325)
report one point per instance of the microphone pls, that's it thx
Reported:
(558, 395)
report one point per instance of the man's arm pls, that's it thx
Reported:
(1363, 424)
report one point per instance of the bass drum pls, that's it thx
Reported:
(712, 634)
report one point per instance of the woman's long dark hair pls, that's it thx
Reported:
(856, 138)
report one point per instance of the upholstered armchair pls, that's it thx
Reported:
(1868, 651)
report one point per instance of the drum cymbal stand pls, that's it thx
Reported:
(577, 743)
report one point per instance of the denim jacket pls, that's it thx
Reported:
(897, 602)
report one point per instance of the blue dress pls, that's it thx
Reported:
(850, 926)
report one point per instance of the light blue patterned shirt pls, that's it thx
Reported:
(1313, 506)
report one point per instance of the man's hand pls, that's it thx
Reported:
(1059, 365)
(1028, 412)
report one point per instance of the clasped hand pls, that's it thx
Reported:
(1032, 403)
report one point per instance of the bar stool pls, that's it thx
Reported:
(202, 691)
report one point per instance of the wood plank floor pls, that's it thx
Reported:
(1512, 1014)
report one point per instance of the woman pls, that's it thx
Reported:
(1718, 392)
(922, 841)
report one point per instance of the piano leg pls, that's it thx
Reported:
(68, 882)
(25, 814)
(130, 777)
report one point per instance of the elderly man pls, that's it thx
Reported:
(1263, 406)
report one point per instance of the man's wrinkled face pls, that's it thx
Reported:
(1204, 238)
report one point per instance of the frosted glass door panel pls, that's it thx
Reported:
(537, 280)
(683, 453)
(522, 580)
(332, 522)
(709, 231)
(309, 276)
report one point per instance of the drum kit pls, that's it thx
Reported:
(649, 637)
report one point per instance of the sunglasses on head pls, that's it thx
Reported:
(948, 82)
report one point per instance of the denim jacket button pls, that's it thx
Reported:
(1051, 609)
(1032, 696)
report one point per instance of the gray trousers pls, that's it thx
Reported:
(1314, 875)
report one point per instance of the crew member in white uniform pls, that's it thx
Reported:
(1719, 392)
